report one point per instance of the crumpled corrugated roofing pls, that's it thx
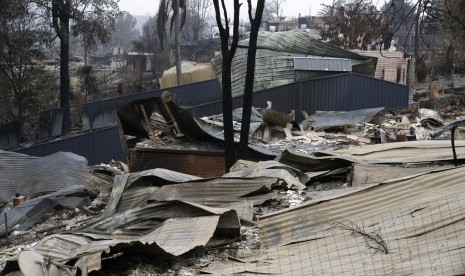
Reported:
(293, 177)
(418, 219)
(136, 189)
(30, 176)
(275, 54)
(389, 153)
(328, 119)
(33, 210)
(154, 177)
(191, 127)
(171, 227)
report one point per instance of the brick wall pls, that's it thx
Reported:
(391, 66)
(203, 164)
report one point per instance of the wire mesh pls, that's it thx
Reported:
(426, 238)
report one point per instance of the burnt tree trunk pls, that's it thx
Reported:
(250, 76)
(64, 85)
(61, 17)
(227, 53)
(177, 42)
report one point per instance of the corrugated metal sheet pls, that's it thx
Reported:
(294, 178)
(174, 227)
(328, 119)
(322, 64)
(100, 146)
(159, 177)
(271, 69)
(101, 114)
(274, 117)
(31, 176)
(218, 192)
(351, 91)
(301, 42)
(10, 135)
(401, 152)
(138, 189)
(33, 210)
(371, 174)
(342, 92)
(51, 124)
(389, 153)
(153, 178)
(308, 75)
(419, 220)
(275, 59)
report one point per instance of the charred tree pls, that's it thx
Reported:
(255, 22)
(227, 52)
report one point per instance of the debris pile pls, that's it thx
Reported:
(237, 222)
(334, 190)
(271, 132)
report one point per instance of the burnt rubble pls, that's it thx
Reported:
(370, 186)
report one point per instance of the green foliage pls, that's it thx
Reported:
(26, 88)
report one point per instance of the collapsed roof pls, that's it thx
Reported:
(384, 222)
(275, 59)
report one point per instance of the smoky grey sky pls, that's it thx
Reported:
(291, 8)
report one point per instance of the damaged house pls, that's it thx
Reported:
(298, 214)
(331, 197)
(345, 182)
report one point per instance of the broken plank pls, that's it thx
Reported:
(287, 131)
